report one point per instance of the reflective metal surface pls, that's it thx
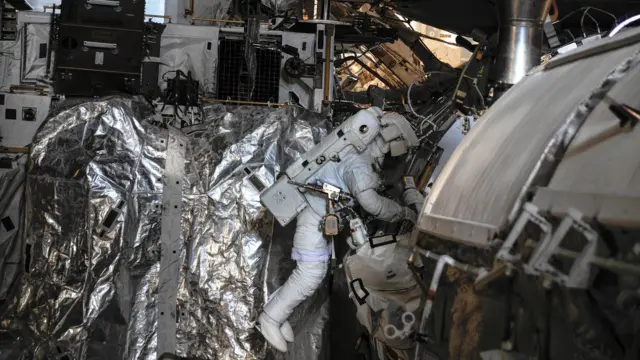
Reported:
(597, 172)
(218, 9)
(96, 215)
(280, 5)
(516, 142)
(520, 43)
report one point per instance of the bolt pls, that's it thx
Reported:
(509, 270)
(507, 345)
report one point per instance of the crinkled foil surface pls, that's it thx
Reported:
(91, 291)
(280, 5)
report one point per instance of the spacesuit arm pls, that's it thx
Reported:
(362, 182)
(383, 208)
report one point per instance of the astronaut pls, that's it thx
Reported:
(353, 170)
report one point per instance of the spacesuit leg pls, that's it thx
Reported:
(285, 328)
(311, 253)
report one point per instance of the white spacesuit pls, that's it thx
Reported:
(355, 172)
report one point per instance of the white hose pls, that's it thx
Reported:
(409, 100)
(623, 24)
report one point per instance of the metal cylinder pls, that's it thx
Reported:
(520, 38)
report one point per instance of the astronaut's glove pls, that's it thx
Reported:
(410, 215)
(413, 198)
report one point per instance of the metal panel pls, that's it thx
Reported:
(485, 177)
(99, 49)
(600, 173)
(24, 61)
(124, 14)
(303, 87)
(34, 45)
(170, 243)
(29, 110)
(610, 209)
(9, 64)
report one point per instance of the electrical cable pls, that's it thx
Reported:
(435, 115)
(615, 20)
(363, 54)
(586, 12)
(570, 33)
(455, 91)
(585, 8)
(475, 85)
(424, 118)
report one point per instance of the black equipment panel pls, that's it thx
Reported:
(91, 83)
(8, 21)
(99, 49)
(124, 14)
(150, 70)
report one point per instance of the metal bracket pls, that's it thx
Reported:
(104, 3)
(433, 288)
(529, 215)
(578, 276)
(100, 45)
(442, 261)
(550, 31)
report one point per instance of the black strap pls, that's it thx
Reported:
(361, 300)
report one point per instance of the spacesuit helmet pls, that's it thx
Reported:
(398, 134)
(365, 124)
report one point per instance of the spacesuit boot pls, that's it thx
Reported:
(285, 329)
(270, 329)
(311, 254)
